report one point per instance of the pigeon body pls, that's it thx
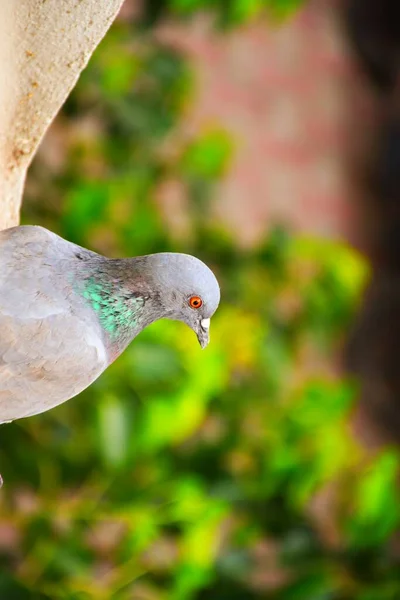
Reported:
(66, 313)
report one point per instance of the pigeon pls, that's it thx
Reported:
(66, 313)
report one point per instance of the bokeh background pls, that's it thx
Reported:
(246, 471)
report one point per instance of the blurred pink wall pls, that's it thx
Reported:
(291, 98)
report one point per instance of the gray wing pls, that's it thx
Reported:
(51, 347)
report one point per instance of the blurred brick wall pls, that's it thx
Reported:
(291, 97)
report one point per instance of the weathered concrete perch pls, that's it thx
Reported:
(44, 46)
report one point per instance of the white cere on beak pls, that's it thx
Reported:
(205, 323)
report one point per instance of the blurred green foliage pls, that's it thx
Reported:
(229, 13)
(180, 474)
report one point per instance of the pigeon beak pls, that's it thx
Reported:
(203, 332)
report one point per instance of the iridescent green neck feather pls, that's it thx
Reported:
(118, 313)
(121, 297)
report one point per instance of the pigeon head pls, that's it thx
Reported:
(186, 290)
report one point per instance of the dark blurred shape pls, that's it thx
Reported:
(227, 589)
(374, 352)
(374, 348)
(386, 191)
(9, 588)
(374, 29)
(153, 11)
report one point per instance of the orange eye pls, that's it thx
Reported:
(195, 301)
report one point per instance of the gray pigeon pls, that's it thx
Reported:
(66, 313)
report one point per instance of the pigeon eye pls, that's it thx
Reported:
(195, 302)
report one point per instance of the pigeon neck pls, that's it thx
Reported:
(121, 300)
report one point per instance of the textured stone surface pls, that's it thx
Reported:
(44, 45)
